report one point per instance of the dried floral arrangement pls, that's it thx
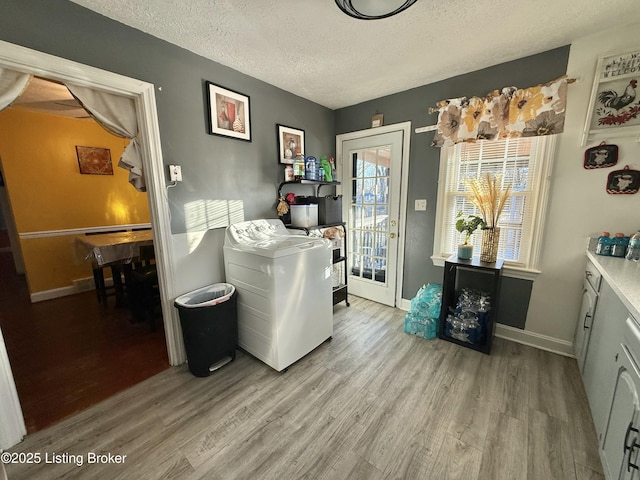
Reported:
(489, 197)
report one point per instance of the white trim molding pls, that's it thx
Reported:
(82, 231)
(405, 128)
(507, 271)
(12, 427)
(536, 340)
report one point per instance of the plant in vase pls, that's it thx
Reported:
(467, 225)
(489, 196)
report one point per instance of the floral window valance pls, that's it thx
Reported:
(513, 112)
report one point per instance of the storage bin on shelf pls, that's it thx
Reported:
(330, 209)
(304, 215)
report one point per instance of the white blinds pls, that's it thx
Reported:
(518, 161)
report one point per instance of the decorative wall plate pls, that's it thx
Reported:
(601, 156)
(625, 181)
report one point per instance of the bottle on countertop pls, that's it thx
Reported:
(633, 250)
(604, 244)
(619, 245)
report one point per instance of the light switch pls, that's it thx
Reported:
(421, 205)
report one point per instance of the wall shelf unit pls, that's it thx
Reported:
(340, 292)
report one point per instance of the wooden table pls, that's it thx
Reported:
(115, 250)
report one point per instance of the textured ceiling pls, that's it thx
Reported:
(312, 49)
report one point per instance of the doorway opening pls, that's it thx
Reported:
(21, 59)
(374, 166)
(68, 351)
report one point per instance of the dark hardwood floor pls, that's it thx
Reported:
(70, 353)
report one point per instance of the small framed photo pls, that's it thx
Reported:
(94, 160)
(229, 113)
(290, 141)
(614, 107)
(376, 120)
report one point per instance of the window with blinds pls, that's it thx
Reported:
(521, 162)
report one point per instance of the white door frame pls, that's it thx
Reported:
(405, 128)
(23, 59)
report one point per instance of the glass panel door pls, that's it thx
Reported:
(369, 223)
(371, 170)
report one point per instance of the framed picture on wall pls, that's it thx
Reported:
(94, 160)
(290, 141)
(614, 107)
(229, 113)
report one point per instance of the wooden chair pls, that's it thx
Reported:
(143, 291)
(103, 291)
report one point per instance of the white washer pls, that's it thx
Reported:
(284, 290)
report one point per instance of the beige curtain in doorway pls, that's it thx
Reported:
(117, 115)
(12, 84)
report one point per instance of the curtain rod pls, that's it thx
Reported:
(437, 109)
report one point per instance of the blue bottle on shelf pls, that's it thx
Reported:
(619, 245)
(311, 168)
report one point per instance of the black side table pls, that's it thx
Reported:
(476, 275)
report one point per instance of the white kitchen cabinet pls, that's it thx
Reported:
(620, 442)
(585, 324)
(600, 367)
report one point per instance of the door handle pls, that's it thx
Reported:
(393, 223)
(392, 235)
(584, 323)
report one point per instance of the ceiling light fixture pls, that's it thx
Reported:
(373, 9)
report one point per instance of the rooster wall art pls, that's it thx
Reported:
(618, 107)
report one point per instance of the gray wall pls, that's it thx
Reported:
(412, 105)
(222, 168)
(213, 167)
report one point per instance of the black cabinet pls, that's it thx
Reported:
(470, 297)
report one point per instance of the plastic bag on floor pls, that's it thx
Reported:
(423, 315)
(468, 322)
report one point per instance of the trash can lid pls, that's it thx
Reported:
(206, 296)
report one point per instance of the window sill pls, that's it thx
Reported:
(508, 270)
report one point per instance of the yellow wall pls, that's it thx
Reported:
(48, 192)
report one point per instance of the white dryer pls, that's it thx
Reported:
(285, 307)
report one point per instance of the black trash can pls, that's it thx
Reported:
(209, 320)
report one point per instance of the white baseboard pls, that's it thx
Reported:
(80, 285)
(543, 342)
(536, 340)
(405, 304)
(53, 293)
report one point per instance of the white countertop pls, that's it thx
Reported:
(623, 276)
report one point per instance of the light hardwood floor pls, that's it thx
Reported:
(374, 403)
